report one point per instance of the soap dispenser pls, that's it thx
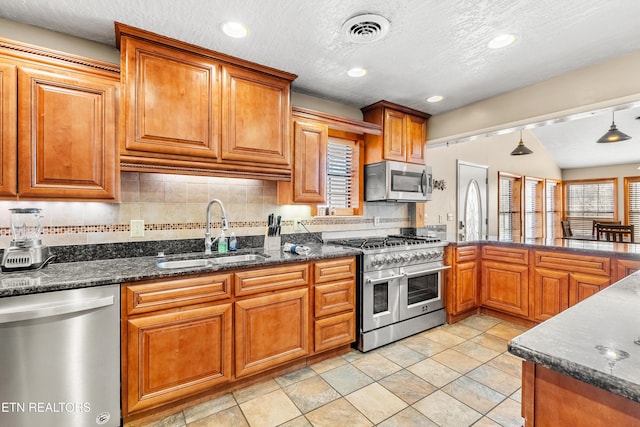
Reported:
(222, 243)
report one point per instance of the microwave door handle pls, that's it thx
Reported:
(423, 183)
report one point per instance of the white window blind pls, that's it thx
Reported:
(506, 211)
(588, 201)
(339, 175)
(552, 214)
(633, 205)
(533, 208)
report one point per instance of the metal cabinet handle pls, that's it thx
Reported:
(37, 311)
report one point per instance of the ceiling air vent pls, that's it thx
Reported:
(366, 28)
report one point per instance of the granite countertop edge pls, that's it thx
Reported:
(578, 371)
(83, 274)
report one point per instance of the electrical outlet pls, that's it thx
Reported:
(376, 221)
(297, 224)
(137, 228)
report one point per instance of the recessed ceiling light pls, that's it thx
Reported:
(501, 41)
(356, 72)
(435, 98)
(235, 29)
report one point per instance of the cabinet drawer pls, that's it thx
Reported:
(335, 269)
(466, 253)
(334, 331)
(161, 295)
(334, 298)
(573, 263)
(506, 254)
(251, 282)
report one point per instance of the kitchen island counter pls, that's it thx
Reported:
(72, 275)
(597, 343)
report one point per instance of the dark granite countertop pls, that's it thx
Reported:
(71, 275)
(631, 250)
(596, 341)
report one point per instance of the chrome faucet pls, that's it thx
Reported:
(208, 242)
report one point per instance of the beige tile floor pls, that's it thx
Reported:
(453, 375)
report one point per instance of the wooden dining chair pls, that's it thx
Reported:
(566, 229)
(597, 221)
(615, 233)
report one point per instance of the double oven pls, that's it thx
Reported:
(400, 288)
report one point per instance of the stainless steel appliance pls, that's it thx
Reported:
(398, 181)
(400, 288)
(60, 358)
(26, 251)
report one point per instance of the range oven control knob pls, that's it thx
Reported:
(406, 257)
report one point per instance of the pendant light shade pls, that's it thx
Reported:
(521, 149)
(613, 135)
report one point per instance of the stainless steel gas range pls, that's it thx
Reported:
(400, 288)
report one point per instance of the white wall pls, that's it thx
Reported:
(607, 84)
(493, 152)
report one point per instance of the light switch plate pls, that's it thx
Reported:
(137, 228)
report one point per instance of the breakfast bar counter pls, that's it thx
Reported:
(582, 366)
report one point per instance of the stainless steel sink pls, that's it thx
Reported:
(237, 258)
(208, 262)
(185, 263)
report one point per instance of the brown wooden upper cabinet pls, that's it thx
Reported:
(404, 133)
(59, 116)
(190, 110)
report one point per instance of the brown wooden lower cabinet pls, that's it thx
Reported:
(551, 399)
(187, 336)
(550, 293)
(505, 287)
(271, 330)
(176, 354)
(582, 286)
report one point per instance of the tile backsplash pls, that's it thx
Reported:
(174, 207)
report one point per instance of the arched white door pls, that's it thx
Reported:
(472, 201)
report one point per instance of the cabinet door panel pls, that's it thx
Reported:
(394, 135)
(335, 269)
(416, 138)
(66, 135)
(271, 330)
(171, 101)
(582, 286)
(8, 136)
(466, 292)
(177, 354)
(310, 165)
(255, 118)
(334, 298)
(505, 287)
(625, 267)
(550, 293)
(334, 331)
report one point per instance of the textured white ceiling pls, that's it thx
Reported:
(433, 46)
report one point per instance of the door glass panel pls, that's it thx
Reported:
(422, 288)
(473, 214)
(380, 298)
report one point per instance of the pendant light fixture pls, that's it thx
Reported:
(613, 135)
(521, 149)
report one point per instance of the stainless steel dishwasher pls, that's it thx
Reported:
(60, 358)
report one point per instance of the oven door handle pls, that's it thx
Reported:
(384, 279)
(431, 270)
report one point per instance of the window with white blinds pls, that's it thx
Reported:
(533, 209)
(508, 207)
(587, 201)
(340, 182)
(632, 204)
(553, 209)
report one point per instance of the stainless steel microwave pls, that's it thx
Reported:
(397, 181)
